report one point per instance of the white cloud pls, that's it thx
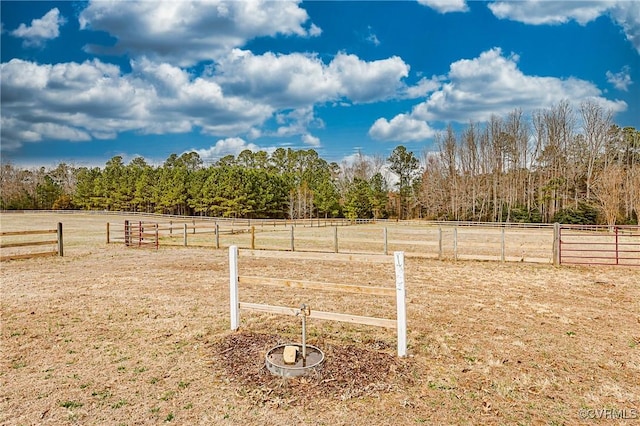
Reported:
(624, 12)
(401, 128)
(187, 32)
(285, 81)
(549, 12)
(236, 98)
(627, 15)
(95, 99)
(474, 89)
(372, 38)
(315, 31)
(493, 84)
(41, 30)
(363, 81)
(297, 122)
(422, 88)
(229, 146)
(309, 139)
(620, 80)
(446, 6)
(297, 80)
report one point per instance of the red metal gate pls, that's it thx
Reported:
(599, 245)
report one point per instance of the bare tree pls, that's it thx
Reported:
(433, 192)
(596, 122)
(470, 169)
(447, 145)
(554, 133)
(608, 187)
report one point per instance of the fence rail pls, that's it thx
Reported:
(136, 234)
(599, 245)
(58, 247)
(440, 242)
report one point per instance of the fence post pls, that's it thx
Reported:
(107, 232)
(502, 248)
(217, 236)
(194, 226)
(386, 245)
(233, 288)
(440, 242)
(157, 237)
(556, 244)
(127, 233)
(253, 237)
(401, 303)
(455, 242)
(184, 235)
(335, 239)
(60, 243)
(170, 227)
(617, 247)
(292, 245)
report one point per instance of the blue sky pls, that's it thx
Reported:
(82, 82)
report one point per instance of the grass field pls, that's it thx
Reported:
(121, 336)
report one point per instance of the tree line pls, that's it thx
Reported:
(560, 165)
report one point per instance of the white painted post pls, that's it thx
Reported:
(401, 303)
(502, 246)
(233, 288)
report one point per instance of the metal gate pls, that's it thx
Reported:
(141, 234)
(599, 245)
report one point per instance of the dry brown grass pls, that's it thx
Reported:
(109, 335)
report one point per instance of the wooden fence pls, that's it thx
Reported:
(505, 244)
(141, 234)
(18, 243)
(552, 244)
(457, 242)
(204, 233)
(400, 323)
